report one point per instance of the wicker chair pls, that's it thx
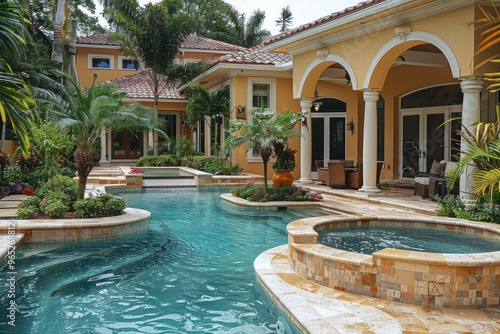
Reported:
(355, 179)
(435, 181)
(336, 174)
(322, 173)
(348, 163)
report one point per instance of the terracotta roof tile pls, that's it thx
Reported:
(139, 86)
(203, 43)
(321, 20)
(191, 42)
(254, 56)
(98, 39)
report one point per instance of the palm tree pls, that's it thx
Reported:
(483, 152)
(262, 131)
(154, 34)
(203, 105)
(15, 95)
(90, 114)
(285, 19)
(250, 33)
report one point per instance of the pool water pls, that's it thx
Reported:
(369, 239)
(191, 272)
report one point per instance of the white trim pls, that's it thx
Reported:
(330, 58)
(120, 64)
(414, 36)
(272, 104)
(95, 56)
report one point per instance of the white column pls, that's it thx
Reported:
(103, 145)
(305, 142)
(370, 142)
(471, 113)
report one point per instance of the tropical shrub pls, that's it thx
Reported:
(59, 184)
(159, 161)
(56, 208)
(25, 212)
(211, 164)
(114, 206)
(105, 205)
(88, 208)
(254, 193)
(484, 210)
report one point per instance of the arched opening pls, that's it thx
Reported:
(328, 130)
(429, 120)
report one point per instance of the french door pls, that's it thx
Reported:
(127, 145)
(328, 138)
(425, 136)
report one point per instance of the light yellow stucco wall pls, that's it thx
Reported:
(452, 28)
(284, 101)
(86, 74)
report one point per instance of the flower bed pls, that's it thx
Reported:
(258, 193)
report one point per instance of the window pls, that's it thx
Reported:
(261, 95)
(128, 63)
(100, 62)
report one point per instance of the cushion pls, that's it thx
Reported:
(450, 165)
(437, 168)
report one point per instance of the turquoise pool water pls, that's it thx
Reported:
(369, 239)
(191, 272)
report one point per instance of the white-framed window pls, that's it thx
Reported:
(128, 64)
(101, 62)
(262, 95)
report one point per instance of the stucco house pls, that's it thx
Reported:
(382, 81)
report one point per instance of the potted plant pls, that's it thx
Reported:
(284, 164)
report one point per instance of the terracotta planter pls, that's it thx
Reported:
(282, 179)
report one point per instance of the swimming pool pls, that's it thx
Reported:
(191, 272)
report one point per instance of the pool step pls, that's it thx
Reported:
(106, 176)
(173, 182)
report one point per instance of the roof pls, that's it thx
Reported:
(322, 20)
(139, 86)
(203, 43)
(190, 42)
(98, 39)
(256, 57)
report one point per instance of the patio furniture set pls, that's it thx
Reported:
(343, 174)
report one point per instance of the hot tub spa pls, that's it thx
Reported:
(467, 280)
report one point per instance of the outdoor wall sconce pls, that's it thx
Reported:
(240, 112)
(316, 104)
(184, 123)
(350, 126)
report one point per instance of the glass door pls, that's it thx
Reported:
(425, 138)
(127, 145)
(328, 138)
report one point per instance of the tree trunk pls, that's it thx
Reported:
(84, 162)
(57, 45)
(72, 51)
(2, 140)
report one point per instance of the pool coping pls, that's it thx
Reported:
(54, 230)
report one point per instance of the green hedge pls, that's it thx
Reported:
(210, 164)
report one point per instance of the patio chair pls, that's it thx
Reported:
(336, 174)
(322, 172)
(355, 178)
(348, 163)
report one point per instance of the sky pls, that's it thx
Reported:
(303, 11)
